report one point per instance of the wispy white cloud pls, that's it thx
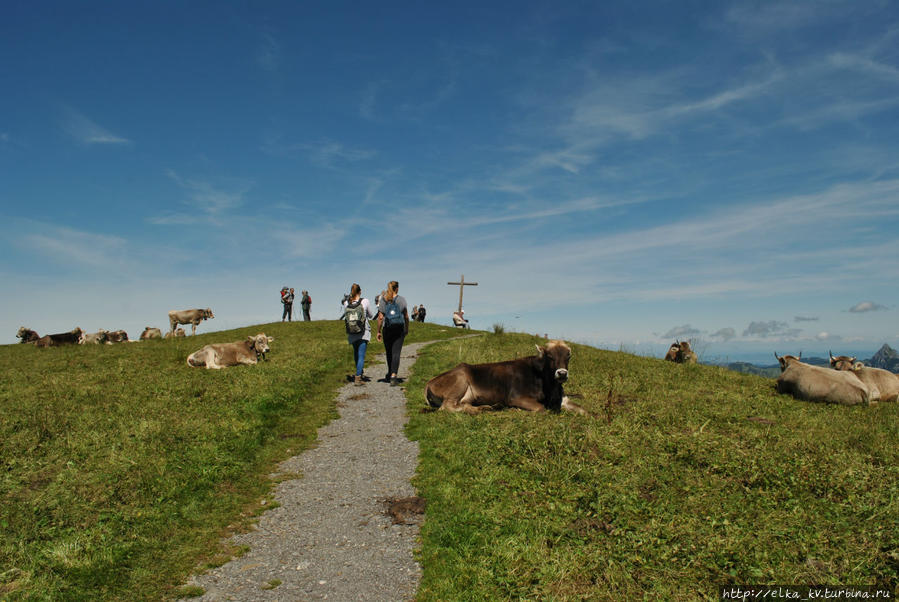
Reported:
(866, 306)
(206, 202)
(76, 247)
(87, 131)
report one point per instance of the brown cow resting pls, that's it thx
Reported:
(64, 338)
(680, 353)
(179, 332)
(222, 355)
(150, 333)
(27, 335)
(93, 338)
(814, 383)
(530, 383)
(188, 316)
(116, 336)
(883, 380)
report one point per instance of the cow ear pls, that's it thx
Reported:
(270, 339)
(857, 366)
(251, 340)
(540, 351)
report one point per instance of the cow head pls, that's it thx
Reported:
(555, 355)
(259, 343)
(842, 362)
(786, 360)
(207, 313)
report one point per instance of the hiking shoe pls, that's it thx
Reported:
(394, 382)
(358, 381)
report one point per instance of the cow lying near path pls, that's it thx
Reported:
(221, 355)
(188, 316)
(530, 383)
(64, 338)
(150, 333)
(27, 335)
(179, 332)
(814, 383)
(883, 380)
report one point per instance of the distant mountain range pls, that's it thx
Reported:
(886, 358)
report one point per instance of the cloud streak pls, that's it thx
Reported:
(88, 132)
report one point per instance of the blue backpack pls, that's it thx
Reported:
(392, 314)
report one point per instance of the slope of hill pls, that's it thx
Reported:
(122, 467)
(690, 477)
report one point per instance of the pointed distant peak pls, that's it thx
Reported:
(886, 351)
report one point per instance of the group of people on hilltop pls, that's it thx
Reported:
(392, 315)
(287, 297)
(418, 313)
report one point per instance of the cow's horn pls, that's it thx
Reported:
(832, 358)
(775, 355)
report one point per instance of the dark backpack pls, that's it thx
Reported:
(355, 318)
(392, 314)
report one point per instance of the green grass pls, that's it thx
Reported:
(669, 492)
(121, 467)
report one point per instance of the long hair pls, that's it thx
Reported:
(355, 292)
(393, 288)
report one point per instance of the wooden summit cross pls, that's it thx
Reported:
(462, 284)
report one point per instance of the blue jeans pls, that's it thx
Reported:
(359, 355)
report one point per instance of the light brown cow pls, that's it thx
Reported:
(671, 356)
(188, 316)
(179, 332)
(884, 380)
(93, 338)
(814, 383)
(150, 333)
(221, 355)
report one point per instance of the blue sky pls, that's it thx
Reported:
(615, 173)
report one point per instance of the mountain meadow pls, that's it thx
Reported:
(123, 469)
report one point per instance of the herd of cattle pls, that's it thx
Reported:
(77, 336)
(532, 383)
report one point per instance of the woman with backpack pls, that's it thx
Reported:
(357, 311)
(393, 324)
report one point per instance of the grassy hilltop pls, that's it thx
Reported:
(122, 468)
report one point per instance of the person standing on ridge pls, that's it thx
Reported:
(305, 303)
(393, 322)
(287, 299)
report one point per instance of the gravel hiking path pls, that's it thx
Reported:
(331, 538)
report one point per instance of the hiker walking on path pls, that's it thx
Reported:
(357, 311)
(287, 299)
(393, 325)
(305, 303)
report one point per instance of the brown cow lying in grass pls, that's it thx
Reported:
(222, 355)
(63, 338)
(529, 383)
(27, 335)
(681, 353)
(150, 333)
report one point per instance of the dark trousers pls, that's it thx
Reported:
(306, 313)
(288, 312)
(393, 345)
